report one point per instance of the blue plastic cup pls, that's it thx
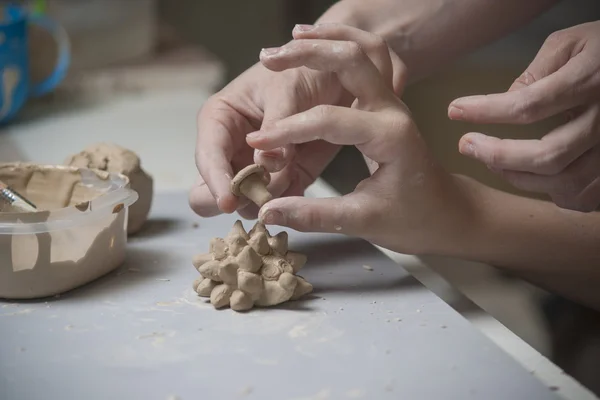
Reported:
(15, 85)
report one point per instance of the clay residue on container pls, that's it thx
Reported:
(43, 264)
(49, 188)
(116, 159)
(46, 264)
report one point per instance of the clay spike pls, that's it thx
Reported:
(260, 243)
(241, 301)
(228, 273)
(238, 229)
(220, 295)
(279, 243)
(298, 260)
(201, 259)
(236, 244)
(259, 228)
(206, 287)
(302, 288)
(210, 270)
(249, 260)
(218, 248)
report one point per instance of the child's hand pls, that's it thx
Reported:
(409, 204)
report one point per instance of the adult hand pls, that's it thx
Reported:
(256, 100)
(564, 77)
(409, 203)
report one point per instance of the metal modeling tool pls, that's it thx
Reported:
(14, 199)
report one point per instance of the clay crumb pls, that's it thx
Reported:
(86, 205)
(398, 320)
(443, 327)
(195, 225)
(367, 268)
(164, 280)
(554, 388)
(118, 208)
(246, 391)
(22, 349)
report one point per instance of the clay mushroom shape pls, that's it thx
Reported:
(252, 182)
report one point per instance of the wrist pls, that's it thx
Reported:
(347, 12)
(464, 222)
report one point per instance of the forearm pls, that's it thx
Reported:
(554, 248)
(429, 33)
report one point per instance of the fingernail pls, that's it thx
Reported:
(278, 153)
(454, 112)
(467, 147)
(254, 135)
(272, 217)
(303, 28)
(270, 51)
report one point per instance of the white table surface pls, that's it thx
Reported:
(161, 127)
(142, 333)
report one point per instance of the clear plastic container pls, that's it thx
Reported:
(50, 252)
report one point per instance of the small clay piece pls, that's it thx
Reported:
(115, 159)
(252, 182)
(250, 269)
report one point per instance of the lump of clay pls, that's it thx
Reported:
(115, 159)
(251, 269)
(252, 182)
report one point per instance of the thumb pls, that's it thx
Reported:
(327, 215)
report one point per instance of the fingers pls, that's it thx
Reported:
(589, 199)
(548, 156)
(373, 45)
(568, 183)
(202, 201)
(353, 67)
(570, 86)
(275, 160)
(553, 54)
(276, 108)
(214, 150)
(281, 184)
(375, 135)
(332, 215)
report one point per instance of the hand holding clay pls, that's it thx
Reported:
(565, 163)
(248, 269)
(410, 203)
(260, 98)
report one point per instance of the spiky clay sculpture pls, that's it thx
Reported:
(248, 269)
